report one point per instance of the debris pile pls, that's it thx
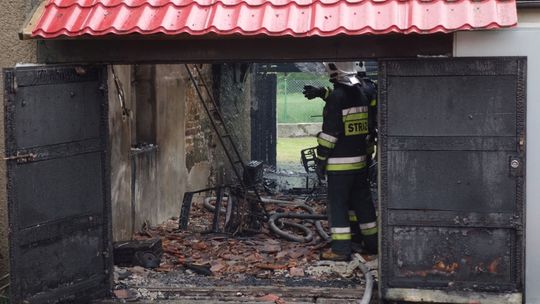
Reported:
(262, 255)
(195, 259)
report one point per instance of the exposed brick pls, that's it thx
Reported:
(193, 131)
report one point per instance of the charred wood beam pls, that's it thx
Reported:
(241, 49)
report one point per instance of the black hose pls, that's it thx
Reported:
(308, 235)
(309, 216)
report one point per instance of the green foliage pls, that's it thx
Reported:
(292, 106)
(288, 148)
(295, 108)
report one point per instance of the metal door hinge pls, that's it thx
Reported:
(521, 143)
(22, 158)
(10, 83)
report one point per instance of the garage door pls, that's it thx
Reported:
(452, 179)
(58, 183)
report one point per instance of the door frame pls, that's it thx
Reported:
(414, 295)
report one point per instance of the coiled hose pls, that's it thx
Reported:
(307, 235)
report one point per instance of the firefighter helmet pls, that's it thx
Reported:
(342, 72)
(360, 66)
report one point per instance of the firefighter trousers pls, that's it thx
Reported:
(351, 192)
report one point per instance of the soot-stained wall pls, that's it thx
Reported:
(149, 181)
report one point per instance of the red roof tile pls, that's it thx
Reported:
(299, 18)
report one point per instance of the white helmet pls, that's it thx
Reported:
(360, 66)
(342, 72)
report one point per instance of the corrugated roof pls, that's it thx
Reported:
(299, 18)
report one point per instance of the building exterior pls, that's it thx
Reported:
(185, 147)
(13, 51)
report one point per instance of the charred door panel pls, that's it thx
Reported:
(71, 260)
(452, 137)
(476, 181)
(53, 102)
(58, 183)
(465, 257)
(70, 183)
(263, 119)
(442, 108)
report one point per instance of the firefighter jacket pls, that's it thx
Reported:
(342, 142)
(370, 90)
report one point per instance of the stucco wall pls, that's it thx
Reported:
(12, 51)
(521, 41)
(163, 96)
(120, 146)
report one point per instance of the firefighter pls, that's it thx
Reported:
(342, 156)
(370, 90)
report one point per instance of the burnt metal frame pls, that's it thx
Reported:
(263, 117)
(227, 143)
(15, 156)
(221, 191)
(517, 222)
(524, 4)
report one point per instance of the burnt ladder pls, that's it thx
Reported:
(227, 142)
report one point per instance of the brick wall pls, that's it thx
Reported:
(200, 140)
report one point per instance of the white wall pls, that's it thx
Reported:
(521, 41)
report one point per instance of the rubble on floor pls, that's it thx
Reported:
(258, 261)
(260, 267)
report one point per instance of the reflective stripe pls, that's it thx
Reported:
(325, 143)
(354, 110)
(346, 160)
(353, 218)
(351, 212)
(345, 167)
(355, 116)
(326, 92)
(340, 230)
(327, 137)
(373, 102)
(321, 157)
(371, 149)
(341, 236)
(370, 231)
(346, 163)
(368, 225)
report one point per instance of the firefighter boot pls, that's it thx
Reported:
(371, 243)
(330, 255)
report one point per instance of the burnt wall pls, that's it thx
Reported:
(120, 125)
(234, 93)
(201, 144)
(164, 148)
(12, 51)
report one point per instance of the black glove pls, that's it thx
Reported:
(320, 169)
(311, 92)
